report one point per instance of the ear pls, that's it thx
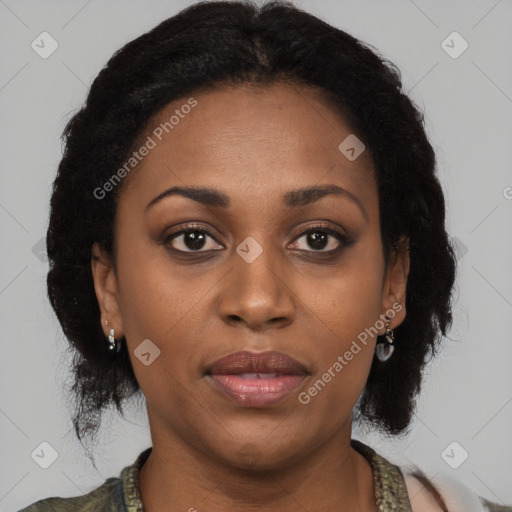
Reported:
(395, 283)
(106, 288)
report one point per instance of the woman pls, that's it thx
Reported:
(247, 229)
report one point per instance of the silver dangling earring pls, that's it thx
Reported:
(384, 349)
(114, 345)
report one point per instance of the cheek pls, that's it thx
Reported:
(159, 308)
(154, 294)
(343, 355)
(345, 309)
(156, 300)
(350, 299)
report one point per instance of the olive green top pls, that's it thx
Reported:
(121, 494)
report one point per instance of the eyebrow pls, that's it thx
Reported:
(297, 198)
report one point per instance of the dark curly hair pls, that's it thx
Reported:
(211, 44)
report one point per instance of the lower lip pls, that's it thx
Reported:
(255, 392)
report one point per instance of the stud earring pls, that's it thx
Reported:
(385, 348)
(113, 345)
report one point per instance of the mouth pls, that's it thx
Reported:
(256, 379)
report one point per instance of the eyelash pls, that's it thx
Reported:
(343, 239)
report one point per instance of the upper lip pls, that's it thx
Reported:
(251, 362)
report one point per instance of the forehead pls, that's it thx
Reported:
(253, 141)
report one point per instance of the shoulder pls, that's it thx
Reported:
(107, 497)
(457, 497)
(421, 499)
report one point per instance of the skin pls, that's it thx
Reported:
(253, 143)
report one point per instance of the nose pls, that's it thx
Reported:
(258, 294)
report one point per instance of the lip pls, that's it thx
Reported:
(256, 379)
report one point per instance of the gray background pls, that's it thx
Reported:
(467, 395)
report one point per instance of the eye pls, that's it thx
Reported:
(195, 239)
(191, 239)
(317, 237)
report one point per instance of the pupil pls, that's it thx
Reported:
(317, 240)
(194, 239)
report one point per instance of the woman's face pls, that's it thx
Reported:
(258, 271)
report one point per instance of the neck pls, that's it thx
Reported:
(334, 477)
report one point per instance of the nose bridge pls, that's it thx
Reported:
(256, 292)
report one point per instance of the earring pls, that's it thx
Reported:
(114, 345)
(384, 349)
